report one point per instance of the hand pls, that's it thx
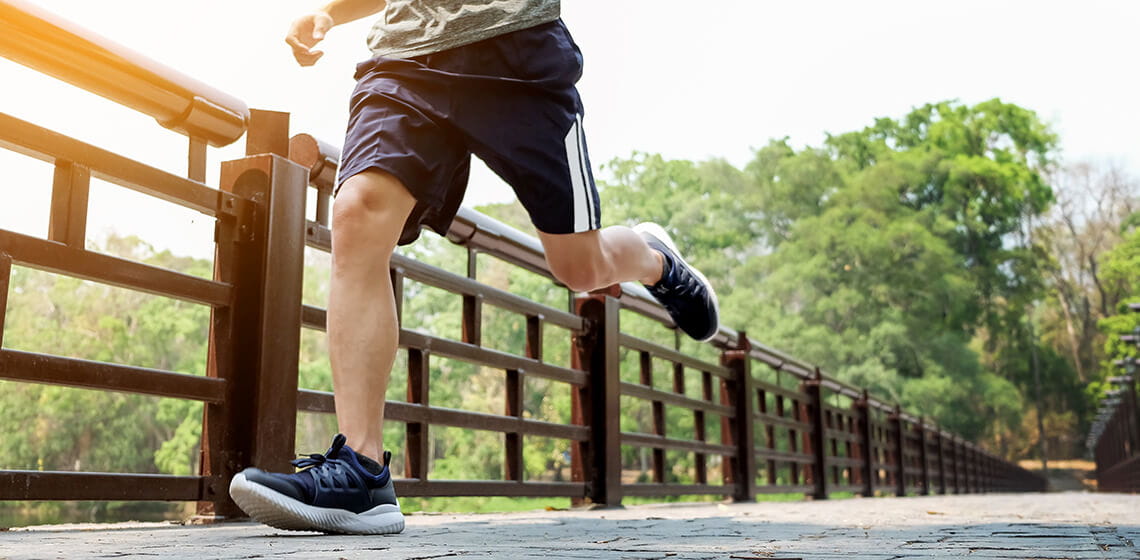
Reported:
(305, 33)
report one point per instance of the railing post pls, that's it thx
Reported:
(255, 343)
(968, 457)
(1134, 484)
(979, 483)
(516, 386)
(418, 438)
(967, 488)
(941, 463)
(975, 469)
(598, 405)
(813, 388)
(899, 442)
(979, 475)
(700, 427)
(991, 474)
(1132, 403)
(921, 429)
(743, 466)
(472, 305)
(991, 483)
(658, 411)
(956, 451)
(5, 281)
(866, 444)
(71, 186)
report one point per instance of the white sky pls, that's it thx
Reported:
(687, 79)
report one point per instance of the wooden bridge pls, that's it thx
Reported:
(781, 425)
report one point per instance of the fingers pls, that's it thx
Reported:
(303, 53)
(296, 43)
(308, 59)
(304, 34)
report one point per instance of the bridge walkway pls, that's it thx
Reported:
(1067, 525)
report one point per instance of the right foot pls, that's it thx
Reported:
(684, 292)
(341, 491)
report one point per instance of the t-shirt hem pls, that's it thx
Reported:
(439, 45)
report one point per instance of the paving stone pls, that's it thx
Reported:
(1014, 526)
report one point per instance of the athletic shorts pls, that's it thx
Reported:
(510, 100)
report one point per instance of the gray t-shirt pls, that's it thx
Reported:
(417, 27)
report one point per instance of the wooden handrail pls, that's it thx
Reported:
(48, 43)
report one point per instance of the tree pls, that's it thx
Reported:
(1121, 267)
(891, 255)
(1093, 201)
(975, 172)
(62, 428)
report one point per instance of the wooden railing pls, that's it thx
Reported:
(1115, 435)
(783, 424)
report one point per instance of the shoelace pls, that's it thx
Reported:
(317, 459)
(313, 460)
(686, 284)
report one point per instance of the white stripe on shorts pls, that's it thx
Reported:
(582, 207)
(586, 176)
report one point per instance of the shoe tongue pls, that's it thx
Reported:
(340, 450)
(337, 445)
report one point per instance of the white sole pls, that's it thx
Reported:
(280, 511)
(661, 235)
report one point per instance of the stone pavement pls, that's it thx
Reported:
(1039, 526)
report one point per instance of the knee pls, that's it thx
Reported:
(369, 214)
(356, 209)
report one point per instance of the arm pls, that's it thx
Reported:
(309, 29)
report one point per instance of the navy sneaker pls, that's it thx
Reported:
(683, 290)
(341, 491)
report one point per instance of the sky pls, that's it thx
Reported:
(690, 80)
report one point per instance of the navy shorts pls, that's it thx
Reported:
(510, 100)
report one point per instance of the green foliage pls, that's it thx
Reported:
(885, 256)
(1121, 265)
(58, 428)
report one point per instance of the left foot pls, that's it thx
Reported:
(341, 491)
(686, 294)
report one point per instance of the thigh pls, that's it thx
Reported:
(522, 115)
(569, 250)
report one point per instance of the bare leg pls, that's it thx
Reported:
(368, 215)
(596, 259)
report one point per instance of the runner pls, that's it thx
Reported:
(449, 78)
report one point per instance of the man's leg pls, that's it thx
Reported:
(599, 258)
(596, 259)
(368, 216)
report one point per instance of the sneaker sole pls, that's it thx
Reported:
(280, 511)
(661, 235)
